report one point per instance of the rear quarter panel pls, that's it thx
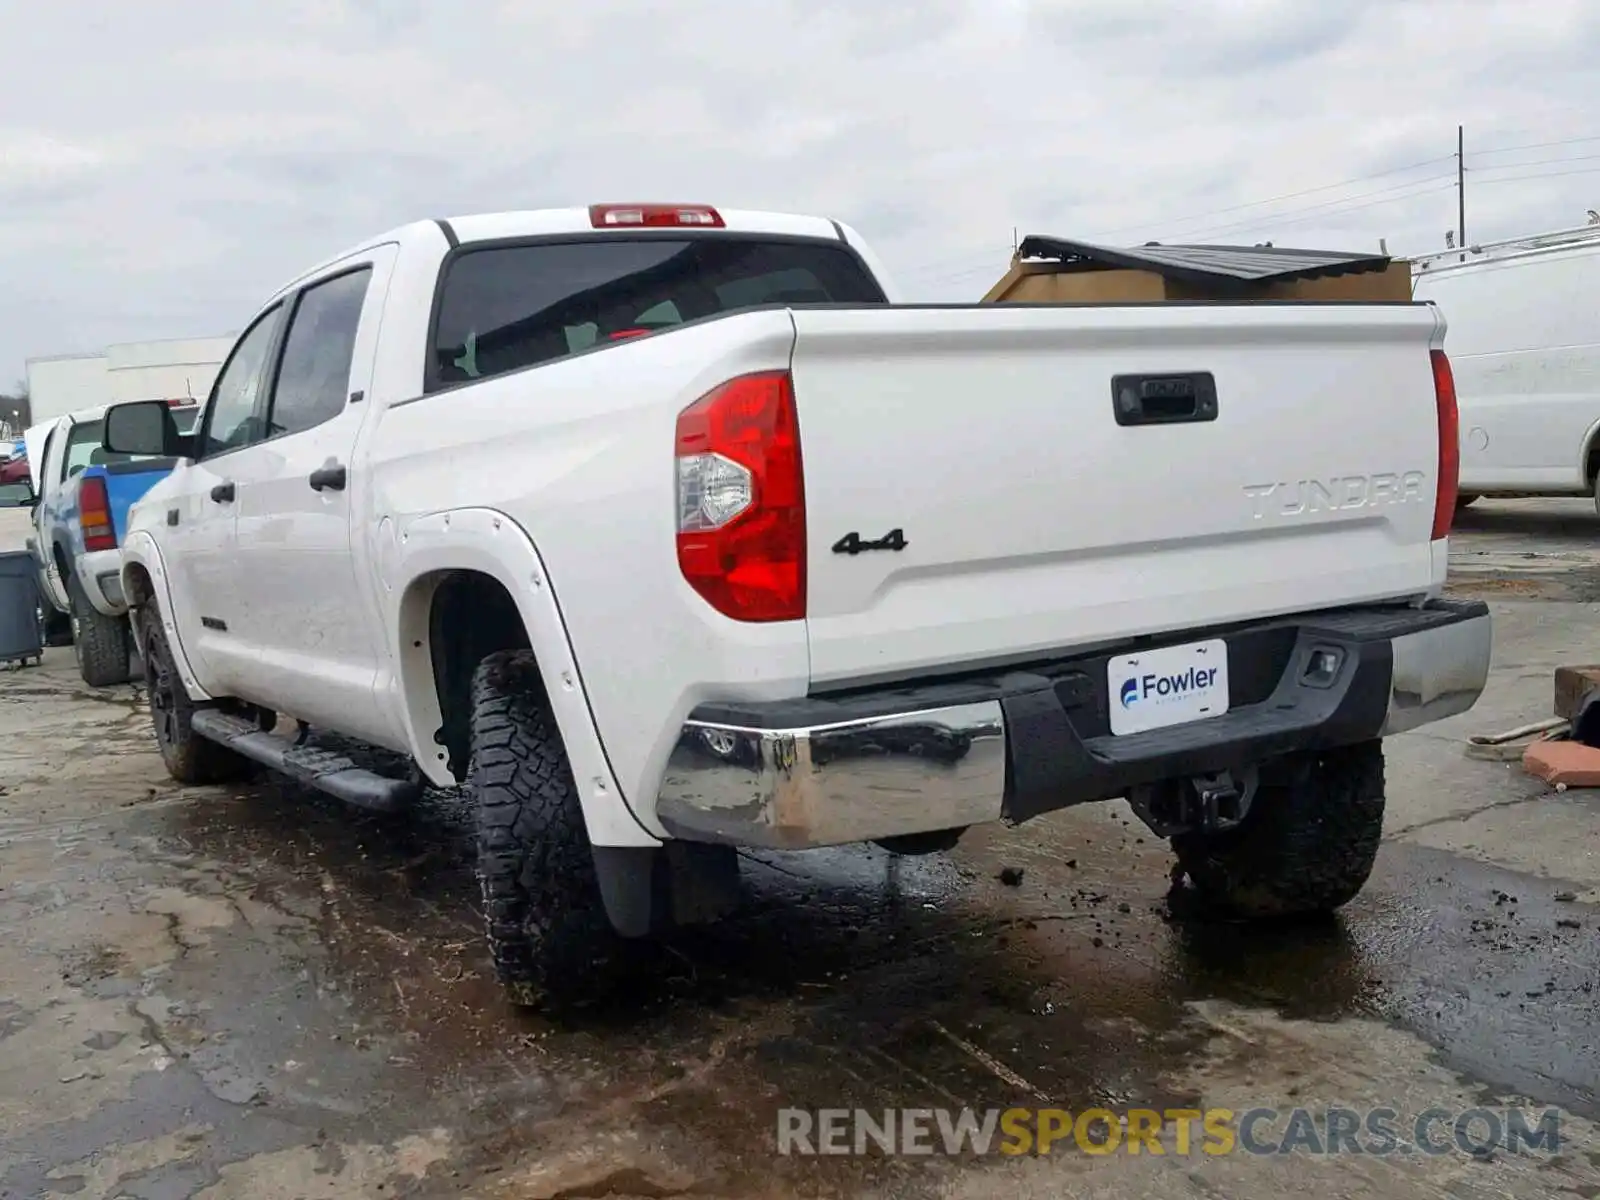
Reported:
(579, 453)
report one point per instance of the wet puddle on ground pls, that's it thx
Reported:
(852, 978)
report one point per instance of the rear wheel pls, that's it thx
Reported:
(548, 932)
(1307, 844)
(190, 758)
(102, 644)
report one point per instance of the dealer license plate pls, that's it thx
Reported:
(1157, 688)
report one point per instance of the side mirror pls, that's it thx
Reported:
(145, 427)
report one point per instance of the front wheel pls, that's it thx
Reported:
(548, 932)
(1307, 844)
(190, 758)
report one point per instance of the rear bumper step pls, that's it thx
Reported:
(325, 770)
(830, 770)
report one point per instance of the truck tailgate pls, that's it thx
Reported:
(1033, 519)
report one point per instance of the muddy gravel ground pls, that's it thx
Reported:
(250, 992)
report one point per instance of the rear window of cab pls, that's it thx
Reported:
(502, 308)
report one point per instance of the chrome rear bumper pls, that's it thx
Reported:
(914, 772)
(1032, 744)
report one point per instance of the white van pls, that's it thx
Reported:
(1524, 341)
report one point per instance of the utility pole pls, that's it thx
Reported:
(1461, 190)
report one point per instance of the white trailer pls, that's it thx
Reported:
(170, 369)
(175, 369)
(64, 383)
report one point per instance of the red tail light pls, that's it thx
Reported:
(741, 499)
(94, 515)
(1444, 393)
(654, 216)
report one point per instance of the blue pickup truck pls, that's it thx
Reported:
(84, 493)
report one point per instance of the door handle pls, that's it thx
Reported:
(223, 493)
(330, 476)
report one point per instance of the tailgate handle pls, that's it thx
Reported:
(1164, 399)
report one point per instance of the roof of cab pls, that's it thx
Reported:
(542, 222)
(486, 227)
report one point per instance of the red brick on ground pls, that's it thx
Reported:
(1571, 763)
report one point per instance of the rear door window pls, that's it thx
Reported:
(506, 307)
(314, 372)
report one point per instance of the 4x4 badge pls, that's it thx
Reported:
(851, 542)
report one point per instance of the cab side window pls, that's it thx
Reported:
(314, 374)
(231, 419)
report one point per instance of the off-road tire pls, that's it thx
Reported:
(190, 758)
(1306, 846)
(103, 644)
(547, 929)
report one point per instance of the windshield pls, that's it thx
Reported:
(505, 307)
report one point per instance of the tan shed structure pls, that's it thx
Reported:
(1048, 270)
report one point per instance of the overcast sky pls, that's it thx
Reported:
(165, 165)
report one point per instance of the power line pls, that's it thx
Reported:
(1401, 191)
(1341, 203)
(1427, 162)
(969, 273)
(1193, 217)
(1540, 175)
(1538, 145)
(1538, 162)
(1335, 207)
(1304, 219)
(1292, 220)
(944, 264)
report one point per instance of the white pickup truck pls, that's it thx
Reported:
(667, 532)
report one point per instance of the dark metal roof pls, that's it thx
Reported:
(1206, 264)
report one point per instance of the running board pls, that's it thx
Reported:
(326, 770)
